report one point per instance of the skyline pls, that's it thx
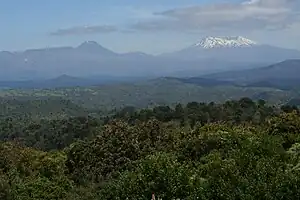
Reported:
(152, 27)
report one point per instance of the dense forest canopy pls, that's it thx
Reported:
(241, 149)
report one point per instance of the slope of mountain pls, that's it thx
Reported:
(284, 75)
(284, 84)
(288, 69)
(294, 102)
(91, 47)
(204, 82)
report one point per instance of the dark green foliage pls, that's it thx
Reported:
(230, 163)
(243, 111)
(161, 174)
(31, 174)
(42, 108)
(5, 189)
(115, 149)
(236, 150)
(287, 125)
(48, 134)
(289, 108)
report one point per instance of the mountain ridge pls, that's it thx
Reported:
(90, 58)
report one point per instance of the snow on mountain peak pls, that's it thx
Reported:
(222, 42)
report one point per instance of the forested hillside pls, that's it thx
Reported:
(240, 149)
(162, 91)
(40, 108)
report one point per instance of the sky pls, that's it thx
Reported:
(154, 26)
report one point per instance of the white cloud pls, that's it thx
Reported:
(245, 16)
(84, 30)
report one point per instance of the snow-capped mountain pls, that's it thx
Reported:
(234, 49)
(225, 42)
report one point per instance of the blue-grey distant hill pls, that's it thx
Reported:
(92, 59)
(283, 75)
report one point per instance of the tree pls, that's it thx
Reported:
(160, 174)
(287, 126)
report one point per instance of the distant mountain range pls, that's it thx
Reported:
(211, 54)
(88, 59)
(283, 75)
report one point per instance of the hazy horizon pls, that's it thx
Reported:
(151, 27)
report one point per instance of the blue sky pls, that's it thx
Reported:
(138, 25)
